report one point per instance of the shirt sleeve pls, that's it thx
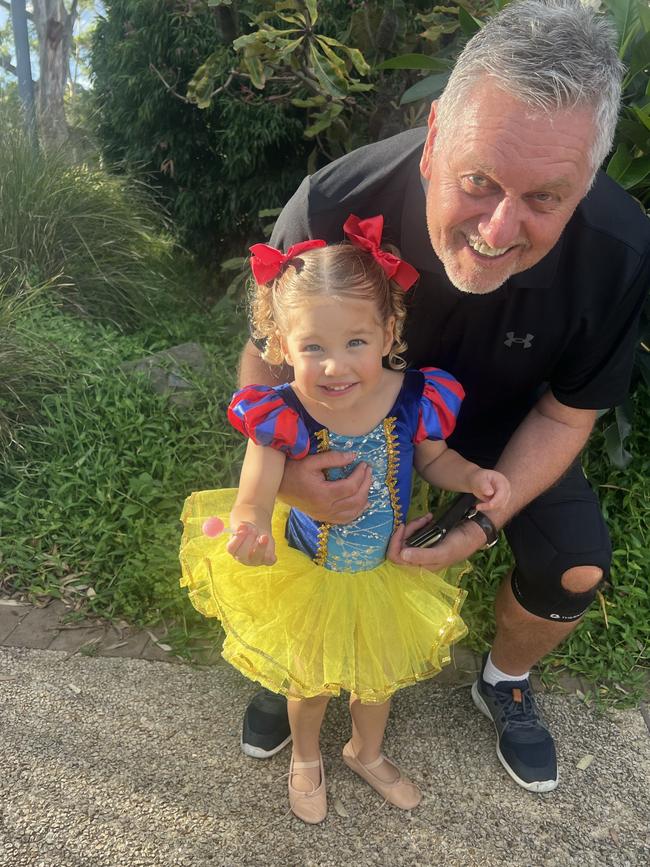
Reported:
(440, 403)
(260, 413)
(596, 370)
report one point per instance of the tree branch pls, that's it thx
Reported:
(8, 66)
(7, 5)
(168, 87)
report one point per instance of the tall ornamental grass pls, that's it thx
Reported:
(29, 366)
(93, 238)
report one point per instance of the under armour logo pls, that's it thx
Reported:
(526, 342)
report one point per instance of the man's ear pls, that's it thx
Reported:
(425, 161)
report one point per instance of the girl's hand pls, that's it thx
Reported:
(491, 487)
(251, 547)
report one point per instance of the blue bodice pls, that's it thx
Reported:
(388, 450)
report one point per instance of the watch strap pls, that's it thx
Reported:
(491, 532)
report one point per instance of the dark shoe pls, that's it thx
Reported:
(524, 744)
(266, 725)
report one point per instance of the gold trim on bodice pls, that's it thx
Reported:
(320, 557)
(393, 464)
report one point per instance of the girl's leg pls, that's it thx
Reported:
(363, 754)
(305, 719)
(368, 727)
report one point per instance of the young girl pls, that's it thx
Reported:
(323, 610)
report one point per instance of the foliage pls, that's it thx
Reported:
(93, 498)
(89, 508)
(313, 55)
(96, 240)
(611, 647)
(29, 368)
(208, 164)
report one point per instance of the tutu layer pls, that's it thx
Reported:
(302, 630)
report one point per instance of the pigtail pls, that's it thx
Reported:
(396, 299)
(262, 316)
(398, 310)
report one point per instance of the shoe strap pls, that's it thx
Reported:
(382, 758)
(315, 764)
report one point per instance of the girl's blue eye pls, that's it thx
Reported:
(311, 347)
(357, 341)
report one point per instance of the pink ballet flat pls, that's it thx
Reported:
(401, 792)
(311, 807)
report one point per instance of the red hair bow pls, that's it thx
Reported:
(366, 234)
(267, 262)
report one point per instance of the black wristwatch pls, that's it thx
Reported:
(491, 532)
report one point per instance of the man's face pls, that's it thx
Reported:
(502, 185)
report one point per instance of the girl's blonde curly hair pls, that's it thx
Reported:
(340, 270)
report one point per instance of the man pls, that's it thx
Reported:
(532, 281)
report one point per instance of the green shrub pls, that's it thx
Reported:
(96, 239)
(217, 167)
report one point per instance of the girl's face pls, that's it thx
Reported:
(336, 346)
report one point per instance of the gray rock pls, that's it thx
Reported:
(166, 370)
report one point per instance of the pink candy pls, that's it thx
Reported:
(213, 526)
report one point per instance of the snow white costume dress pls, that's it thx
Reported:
(331, 613)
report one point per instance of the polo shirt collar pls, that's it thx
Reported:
(415, 246)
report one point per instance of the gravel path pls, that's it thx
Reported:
(127, 763)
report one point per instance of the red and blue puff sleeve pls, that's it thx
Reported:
(259, 413)
(439, 405)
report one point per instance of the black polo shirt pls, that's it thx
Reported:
(570, 322)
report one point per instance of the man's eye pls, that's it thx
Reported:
(543, 198)
(357, 341)
(477, 181)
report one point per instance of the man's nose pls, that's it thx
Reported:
(501, 228)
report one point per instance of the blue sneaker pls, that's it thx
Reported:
(524, 744)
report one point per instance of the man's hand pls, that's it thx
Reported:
(305, 487)
(459, 544)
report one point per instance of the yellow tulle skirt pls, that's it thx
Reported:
(302, 630)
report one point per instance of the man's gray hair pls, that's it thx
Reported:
(550, 54)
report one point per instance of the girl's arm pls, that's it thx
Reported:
(444, 468)
(252, 542)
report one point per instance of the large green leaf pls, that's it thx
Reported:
(427, 88)
(623, 12)
(468, 24)
(324, 119)
(637, 171)
(620, 162)
(322, 71)
(357, 58)
(616, 435)
(416, 61)
(643, 114)
(312, 8)
(337, 63)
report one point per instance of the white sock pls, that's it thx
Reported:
(493, 675)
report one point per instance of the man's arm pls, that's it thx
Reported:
(539, 452)
(253, 370)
